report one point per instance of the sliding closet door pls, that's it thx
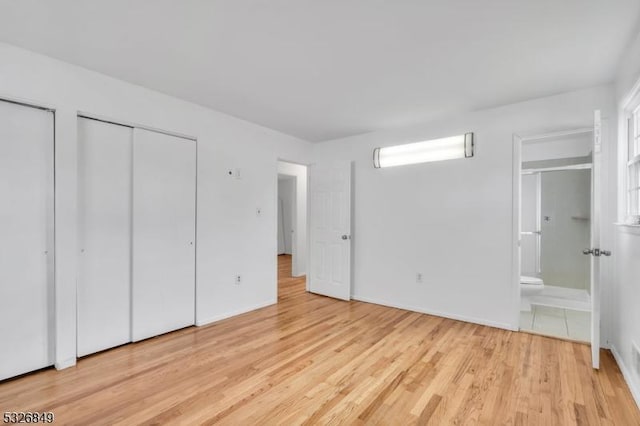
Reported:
(104, 204)
(164, 203)
(26, 239)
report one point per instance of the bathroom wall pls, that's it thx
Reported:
(565, 210)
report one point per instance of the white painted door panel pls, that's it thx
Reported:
(330, 230)
(596, 198)
(26, 239)
(104, 210)
(164, 202)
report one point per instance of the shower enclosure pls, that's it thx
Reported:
(555, 227)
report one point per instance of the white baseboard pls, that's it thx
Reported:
(628, 377)
(229, 314)
(61, 365)
(480, 321)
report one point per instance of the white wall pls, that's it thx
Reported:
(625, 297)
(625, 329)
(451, 221)
(299, 242)
(567, 147)
(286, 213)
(231, 238)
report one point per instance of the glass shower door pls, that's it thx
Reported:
(530, 222)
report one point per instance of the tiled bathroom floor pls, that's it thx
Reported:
(558, 322)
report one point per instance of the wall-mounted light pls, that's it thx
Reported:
(450, 148)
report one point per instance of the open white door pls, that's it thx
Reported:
(595, 251)
(330, 230)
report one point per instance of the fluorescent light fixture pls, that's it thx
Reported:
(450, 148)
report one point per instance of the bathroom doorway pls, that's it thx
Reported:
(555, 228)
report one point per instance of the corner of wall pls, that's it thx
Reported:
(634, 385)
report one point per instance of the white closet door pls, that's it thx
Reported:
(104, 268)
(26, 239)
(164, 203)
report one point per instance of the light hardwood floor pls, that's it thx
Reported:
(314, 360)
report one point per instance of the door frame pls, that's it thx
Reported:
(306, 213)
(293, 218)
(134, 125)
(518, 140)
(52, 288)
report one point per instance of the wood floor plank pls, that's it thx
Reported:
(315, 360)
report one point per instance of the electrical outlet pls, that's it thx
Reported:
(419, 278)
(238, 279)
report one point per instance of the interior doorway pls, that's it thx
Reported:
(291, 224)
(570, 162)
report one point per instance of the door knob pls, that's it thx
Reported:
(346, 237)
(596, 252)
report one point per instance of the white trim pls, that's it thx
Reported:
(627, 105)
(628, 377)
(632, 96)
(447, 315)
(582, 166)
(538, 224)
(296, 270)
(308, 239)
(634, 160)
(516, 238)
(27, 102)
(126, 123)
(235, 312)
(554, 135)
(69, 362)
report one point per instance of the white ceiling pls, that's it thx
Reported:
(323, 69)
